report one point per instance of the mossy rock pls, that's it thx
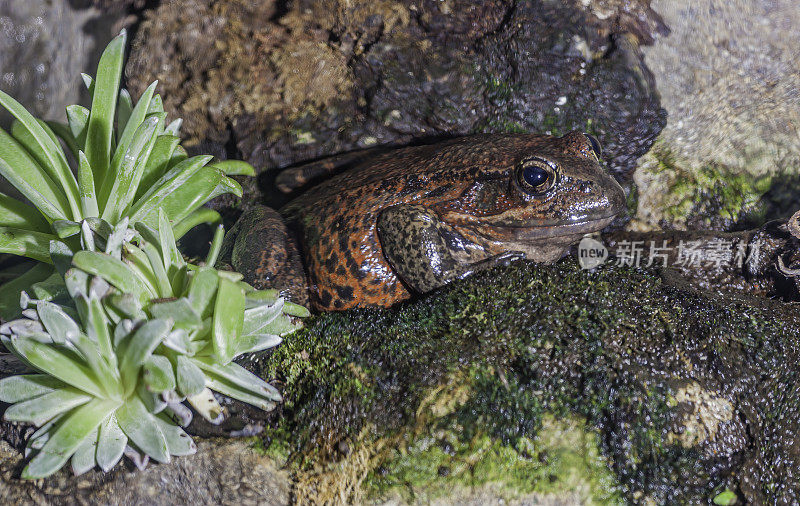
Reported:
(670, 394)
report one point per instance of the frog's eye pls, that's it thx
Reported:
(596, 148)
(536, 176)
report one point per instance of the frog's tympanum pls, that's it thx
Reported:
(413, 219)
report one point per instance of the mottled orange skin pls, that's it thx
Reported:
(469, 183)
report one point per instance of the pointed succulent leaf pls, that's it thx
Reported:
(113, 270)
(168, 184)
(124, 110)
(51, 288)
(97, 328)
(69, 434)
(235, 168)
(66, 228)
(38, 439)
(25, 387)
(111, 443)
(157, 265)
(60, 362)
(142, 429)
(77, 282)
(86, 189)
(156, 105)
(127, 305)
(15, 214)
(99, 132)
(117, 237)
(206, 184)
(157, 163)
(78, 119)
(42, 144)
(202, 290)
(199, 216)
(42, 409)
(179, 155)
(179, 341)
(174, 127)
(259, 317)
(256, 342)
(140, 265)
(173, 260)
(119, 188)
(158, 375)
(83, 459)
(181, 312)
(56, 321)
(88, 81)
(227, 319)
(87, 237)
(190, 378)
(151, 400)
(25, 174)
(178, 442)
(235, 391)
(237, 375)
(137, 348)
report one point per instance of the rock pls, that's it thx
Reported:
(221, 472)
(678, 394)
(280, 85)
(728, 76)
(44, 46)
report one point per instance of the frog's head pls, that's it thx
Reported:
(539, 195)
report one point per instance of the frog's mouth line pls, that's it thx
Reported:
(536, 233)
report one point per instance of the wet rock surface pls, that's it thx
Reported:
(729, 77)
(689, 393)
(282, 83)
(45, 45)
(222, 472)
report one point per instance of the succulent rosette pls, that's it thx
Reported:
(145, 333)
(127, 162)
(116, 335)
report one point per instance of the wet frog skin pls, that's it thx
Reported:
(413, 219)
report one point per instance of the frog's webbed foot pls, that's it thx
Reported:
(260, 247)
(427, 253)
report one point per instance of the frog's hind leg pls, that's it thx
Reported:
(262, 249)
(427, 253)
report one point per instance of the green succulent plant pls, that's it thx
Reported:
(145, 332)
(127, 162)
(118, 332)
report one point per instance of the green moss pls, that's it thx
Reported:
(562, 459)
(406, 396)
(507, 126)
(711, 192)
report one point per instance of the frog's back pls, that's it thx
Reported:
(403, 170)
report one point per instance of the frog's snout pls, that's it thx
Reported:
(611, 201)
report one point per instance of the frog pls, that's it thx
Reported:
(380, 228)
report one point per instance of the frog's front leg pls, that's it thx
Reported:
(427, 253)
